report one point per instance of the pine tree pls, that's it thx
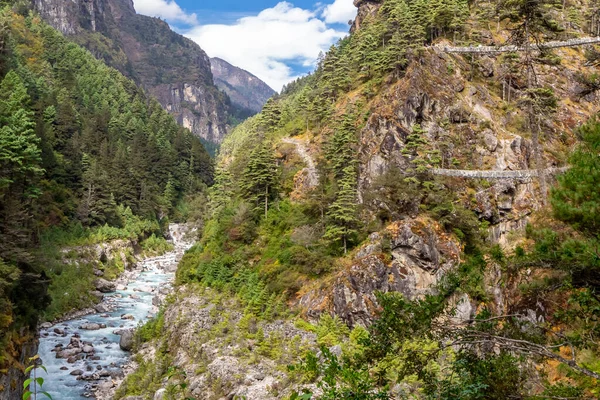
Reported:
(170, 194)
(270, 117)
(260, 177)
(341, 151)
(221, 192)
(122, 184)
(20, 155)
(576, 199)
(328, 72)
(365, 49)
(98, 206)
(403, 33)
(20, 169)
(342, 220)
(532, 18)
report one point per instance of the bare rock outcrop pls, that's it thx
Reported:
(104, 286)
(366, 8)
(421, 254)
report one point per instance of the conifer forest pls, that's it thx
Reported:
(417, 217)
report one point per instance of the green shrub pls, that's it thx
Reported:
(156, 245)
(150, 330)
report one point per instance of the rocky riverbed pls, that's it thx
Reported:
(85, 355)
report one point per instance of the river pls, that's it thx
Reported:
(91, 358)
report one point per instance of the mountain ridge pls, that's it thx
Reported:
(171, 67)
(246, 91)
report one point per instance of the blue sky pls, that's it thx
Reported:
(275, 40)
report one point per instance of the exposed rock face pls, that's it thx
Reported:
(104, 286)
(172, 68)
(366, 8)
(421, 254)
(464, 120)
(11, 379)
(246, 91)
(189, 101)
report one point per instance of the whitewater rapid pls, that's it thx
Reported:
(101, 362)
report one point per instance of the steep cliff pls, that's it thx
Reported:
(172, 68)
(247, 92)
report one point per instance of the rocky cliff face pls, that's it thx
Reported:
(174, 69)
(464, 118)
(366, 8)
(11, 380)
(421, 254)
(245, 90)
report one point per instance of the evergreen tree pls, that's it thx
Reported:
(170, 195)
(577, 197)
(365, 51)
(341, 150)
(270, 116)
(222, 191)
(20, 169)
(532, 18)
(20, 155)
(98, 206)
(342, 220)
(260, 177)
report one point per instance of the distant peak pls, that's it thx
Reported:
(246, 91)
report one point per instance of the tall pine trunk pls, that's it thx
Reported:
(266, 200)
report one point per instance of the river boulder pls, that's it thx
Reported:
(102, 308)
(104, 286)
(88, 348)
(68, 353)
(92, 327)
(126, 341)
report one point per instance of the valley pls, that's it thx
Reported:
(415, 215)
(86, 354)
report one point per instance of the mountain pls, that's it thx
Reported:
(417, 218)
(86, 157)
(172, 68)
(423, 207)
(247, 92)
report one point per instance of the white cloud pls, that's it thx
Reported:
(267, 43)
(341, 11)
(166, 9)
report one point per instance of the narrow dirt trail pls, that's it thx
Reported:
(312, 173)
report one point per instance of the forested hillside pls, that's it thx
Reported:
(172, 68)
(85, 156)
(404, 199)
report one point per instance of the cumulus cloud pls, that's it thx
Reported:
(341, 11)
(165, 9)
(268, 43)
